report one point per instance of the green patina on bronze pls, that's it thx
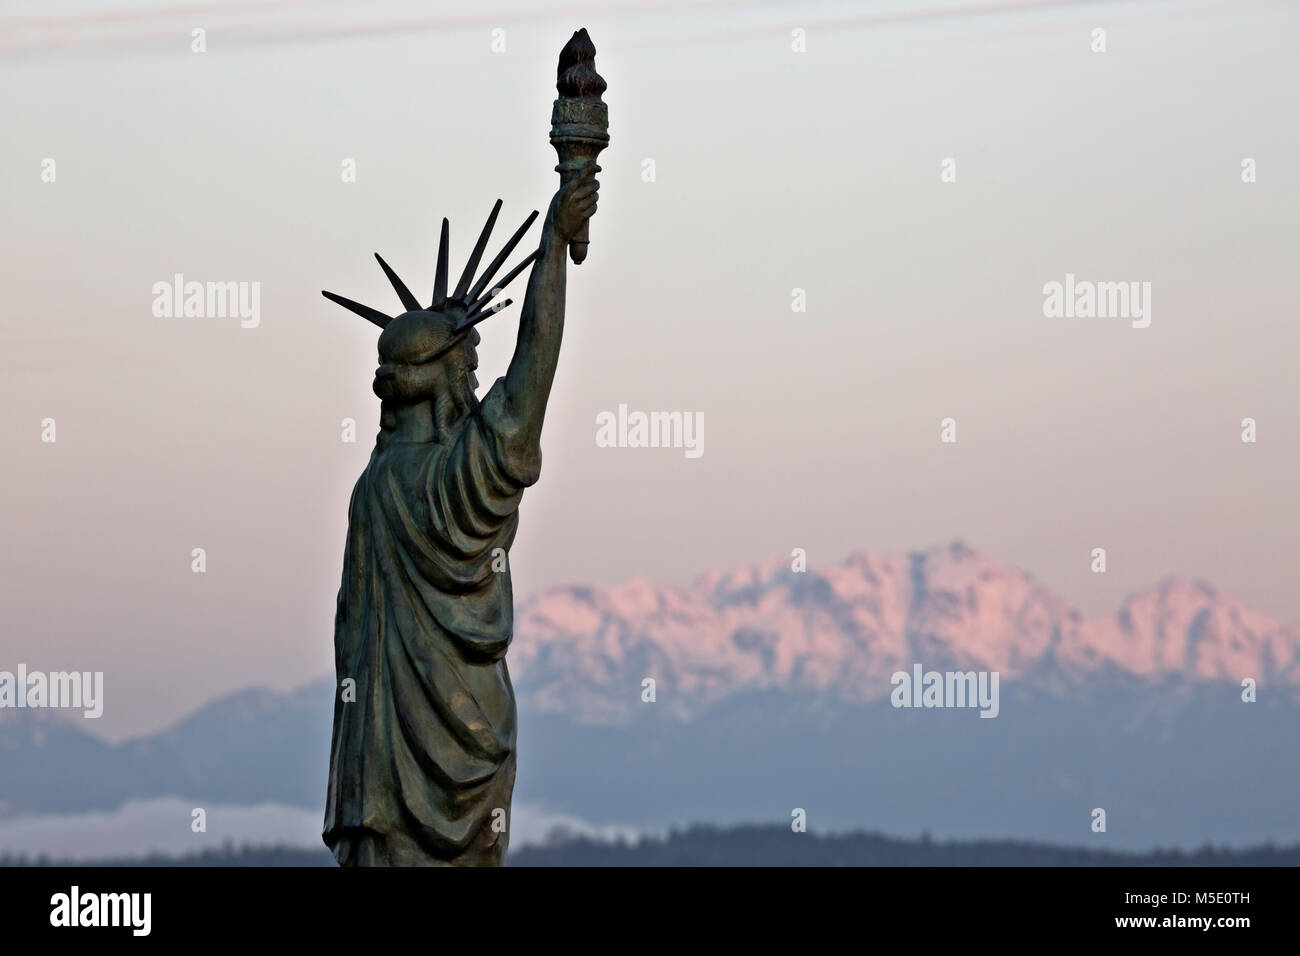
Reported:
(422, 763)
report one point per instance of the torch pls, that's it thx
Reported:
(579, 120)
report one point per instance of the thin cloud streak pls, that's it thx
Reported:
(78, 33)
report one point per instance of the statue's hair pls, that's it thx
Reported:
(449, 404)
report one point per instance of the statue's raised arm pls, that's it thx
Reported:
(541, 325)
(579, 131)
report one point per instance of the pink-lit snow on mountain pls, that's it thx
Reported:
(844, 629)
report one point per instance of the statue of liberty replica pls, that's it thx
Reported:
(422, 762)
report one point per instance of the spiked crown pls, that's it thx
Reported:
(468, 305)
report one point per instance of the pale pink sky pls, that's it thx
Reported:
(775, 170)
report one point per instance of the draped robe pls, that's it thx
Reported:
(422, 762)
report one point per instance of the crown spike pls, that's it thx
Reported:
(487, 310)
(504, 254)
(468, 275)
(410, 302)
(440, 280)
(372, 315)
(500, 286)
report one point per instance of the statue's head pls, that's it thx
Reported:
(425, 353)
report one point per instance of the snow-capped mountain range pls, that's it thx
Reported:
(844, 629)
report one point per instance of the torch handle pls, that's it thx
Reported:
(570, 170)
(578, 244)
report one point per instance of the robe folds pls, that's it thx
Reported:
(422, 762)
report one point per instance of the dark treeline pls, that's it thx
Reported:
(753, 846)
(777, 846)
(227, 856)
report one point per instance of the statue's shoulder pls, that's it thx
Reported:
(493, 413)
(492, 409)
(518, 454)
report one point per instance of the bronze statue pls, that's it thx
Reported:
(422, 763)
